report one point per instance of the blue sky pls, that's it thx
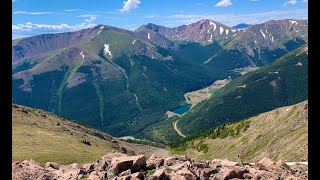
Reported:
(32, 17)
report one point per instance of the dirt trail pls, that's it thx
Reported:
(176, 129)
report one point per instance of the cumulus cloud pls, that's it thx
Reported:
(129, 5)
(31, 13)
(224, 3)
(30, 29)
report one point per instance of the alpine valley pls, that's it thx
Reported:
(126, 83)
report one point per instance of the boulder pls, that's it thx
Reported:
(52, 165)
(281, 165)
(185, 172)
(137, 175)
(97, 175)
(88, 168)
(201, 164)
(181, 165)
(125, 173)
(31, 170)
(154, 162)
(266, 162)
(231, 172)
(259, 166)
(139, 162)
(175, 160)
(177, 177)
(205, 173)
(226, 162)
(134, 163)
(101, 165)
(159, 174)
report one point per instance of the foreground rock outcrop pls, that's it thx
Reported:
(118, 166)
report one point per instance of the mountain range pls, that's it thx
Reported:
(123, 82)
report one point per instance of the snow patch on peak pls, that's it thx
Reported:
(99, 32)
(101, 27)
(264, 36)
(106, 50)
(227, 31)
(212, 23)
(233, 30)
(210, 40)
(221, 30)
(149, 36)
(134, 41)
(293, 22)
(81, 54)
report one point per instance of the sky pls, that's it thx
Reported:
(33, 17)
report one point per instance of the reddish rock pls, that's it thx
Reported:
(205, 173)
(226, 162)
(159, 174)
(185, 172)
(30, 170)
(137, 175)
(52, 165)
(175, 160)
(97, 175)
(154, 162)
(231, 172)
(120, 164)
(266, 162)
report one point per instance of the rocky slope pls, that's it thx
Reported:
(204, 31)
(258, 42)
(118, 166)
(42, 136)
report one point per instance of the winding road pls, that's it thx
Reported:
(176, 128)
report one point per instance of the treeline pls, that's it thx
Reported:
(221, 132)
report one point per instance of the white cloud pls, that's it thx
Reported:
(31, 13)
(129, 5)
(224, 3)
(31, 29)
(233, 19)
(305, 1)
(290, 2)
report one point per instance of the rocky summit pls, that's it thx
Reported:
(119, 166)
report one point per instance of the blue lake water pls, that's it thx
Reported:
(182, 109)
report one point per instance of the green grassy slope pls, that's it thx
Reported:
(278, 134)
(44, 137)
